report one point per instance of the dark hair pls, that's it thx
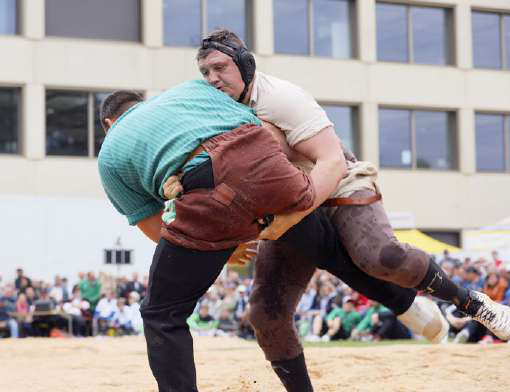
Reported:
(473, 270)
(117, 103)
(222, 36)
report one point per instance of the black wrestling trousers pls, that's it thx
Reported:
(178, 278)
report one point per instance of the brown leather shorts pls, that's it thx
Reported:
(252, 178)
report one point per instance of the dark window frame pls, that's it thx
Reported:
(91, 120)
(249, 31)
(355, 120)
(505, 46)
(353, 27)
(506, 141)
(453, 127)
(19, 102)
(17, 20)
(451, 41)
(139, 38)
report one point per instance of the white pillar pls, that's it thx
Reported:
(152, 23)
(466, 141)
(32, 18)
(369, 132)
(263, 40)
(366, 27)
(462, 40)
(33, 122)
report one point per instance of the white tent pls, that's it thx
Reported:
(494, 237)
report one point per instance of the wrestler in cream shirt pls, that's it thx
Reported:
(300, 117)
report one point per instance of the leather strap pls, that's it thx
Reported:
(347, 201)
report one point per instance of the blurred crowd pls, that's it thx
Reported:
(490, 276)
(95, 305)
(328, 310)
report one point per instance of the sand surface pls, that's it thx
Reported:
(223, 364)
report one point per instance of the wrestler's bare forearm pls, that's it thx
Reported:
(324, 149)
(151, 227)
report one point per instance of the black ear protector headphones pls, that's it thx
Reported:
(242, 58)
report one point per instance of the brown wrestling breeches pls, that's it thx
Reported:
(366, 233)
(281, 277)
(252, 178)
(377, 267)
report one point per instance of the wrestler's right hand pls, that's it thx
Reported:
(172, 187)
(244, 253)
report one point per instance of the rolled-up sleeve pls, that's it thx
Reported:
(295, 112)
(135, 204)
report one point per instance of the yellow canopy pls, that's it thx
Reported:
(424, 242)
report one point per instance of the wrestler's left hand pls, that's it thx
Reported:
(281, 224)
(172, 187)
(244, 253)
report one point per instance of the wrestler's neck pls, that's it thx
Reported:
(246, 100)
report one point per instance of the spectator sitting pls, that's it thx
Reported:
(31, 297)
(24, 315)
(122, 289)
(226, 324)
(22, 281)
(361, 303)
(135, 285)
(448, 268)
(495, 258)
(385, 326)
(495, 286)
(45, 319)
(466, 329)
(58, 292)
(104, 312)
(202, 322)
(472, 279)
(304, 315)
(322, 305)
(9, 297)
(136, 317)
(242, 303)
(78, 308)
(364, 329)
(8, 322)
(341, 321)
(448, 258)
(90, 290)
(122, 319)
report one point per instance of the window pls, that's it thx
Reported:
(72, 123)
(492, 142)
(186, 22)
(409, 34)
(345, 119)
(9, 120)
(417, 139)
(8, 17)
(491, 40)
(97, 19)
(314, 27)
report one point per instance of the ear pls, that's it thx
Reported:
(109, 122)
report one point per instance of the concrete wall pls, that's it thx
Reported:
(438, 200)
